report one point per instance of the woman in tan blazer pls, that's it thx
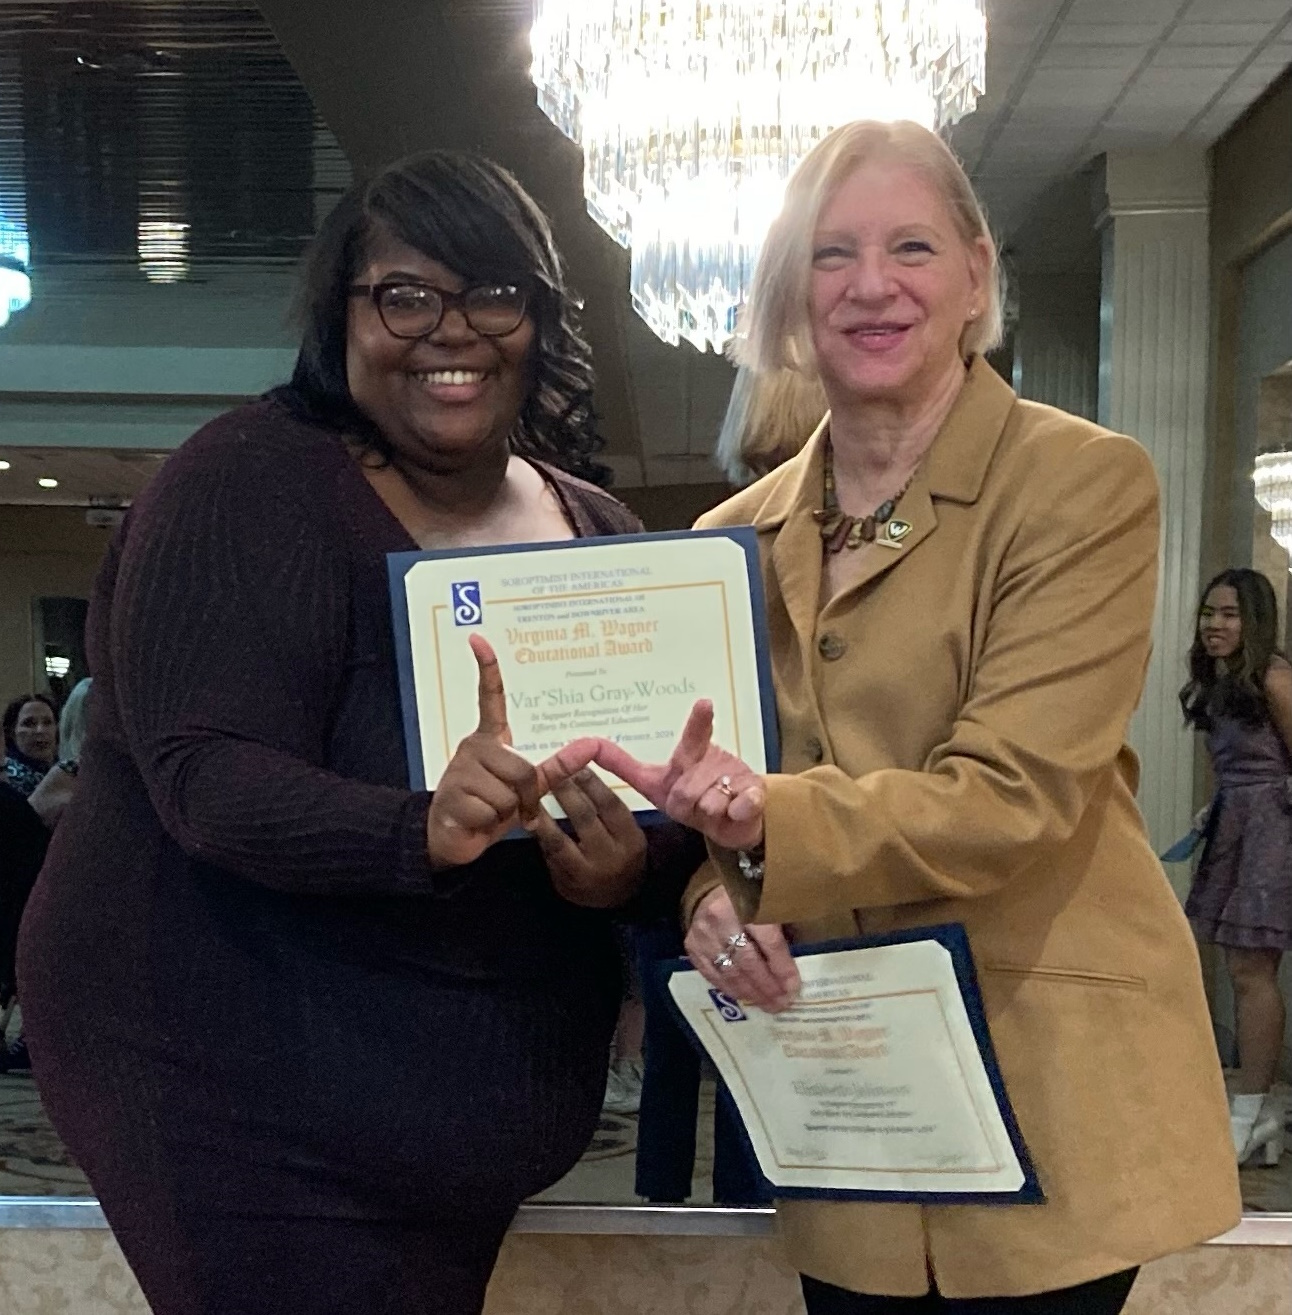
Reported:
(959, 591)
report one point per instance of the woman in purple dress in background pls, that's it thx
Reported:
(1240, 694)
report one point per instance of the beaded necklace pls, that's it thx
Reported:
(839, 530)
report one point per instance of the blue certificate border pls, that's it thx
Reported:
(955, 940)
(398, 564)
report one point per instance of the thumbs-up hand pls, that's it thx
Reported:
(488, 788)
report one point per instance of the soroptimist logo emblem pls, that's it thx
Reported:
(729, 1009)
(466, 603)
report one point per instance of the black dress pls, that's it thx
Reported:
(302, 1071)
(24, 838)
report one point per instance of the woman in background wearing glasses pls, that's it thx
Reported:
(313, 1035)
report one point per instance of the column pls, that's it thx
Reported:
(1153, 364)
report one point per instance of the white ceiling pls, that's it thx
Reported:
(86, 476)
(1068, 80)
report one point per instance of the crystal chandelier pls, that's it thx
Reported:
(1273, 480)
(15, 246)
(692, 116)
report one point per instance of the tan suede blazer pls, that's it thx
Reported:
(953, 750)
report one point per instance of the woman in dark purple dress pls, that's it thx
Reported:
(1240, 694)
(314, 1035)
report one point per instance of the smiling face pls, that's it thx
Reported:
(445, 401)
(893, 285)
(35, 733)
(1220, 622)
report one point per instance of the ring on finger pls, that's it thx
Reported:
(723, 961)
(724, 784)
(737, 942)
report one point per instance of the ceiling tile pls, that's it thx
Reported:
(1221, 34)
(1195, 57)
(1082, 57)
(1135, 33)
(1031, 15)
(1277, 57)
(1237, 11)
(1157, 84)
(1080, 86)
(1114, 12)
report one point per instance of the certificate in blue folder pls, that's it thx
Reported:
(610, 637)
(879, 1083)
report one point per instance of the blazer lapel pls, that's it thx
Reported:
(795, 557)
(953, 471)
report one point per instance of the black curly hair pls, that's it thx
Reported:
(472, 215)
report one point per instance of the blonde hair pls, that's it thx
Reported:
(74, 721)
(776, 333)
(769, 418)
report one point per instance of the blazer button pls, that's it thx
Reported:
(831, 647)
(815, 749)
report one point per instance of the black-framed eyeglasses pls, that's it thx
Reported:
(413, 310)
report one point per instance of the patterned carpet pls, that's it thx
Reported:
(34, 1163)
(32, 1159)
(616, 1135)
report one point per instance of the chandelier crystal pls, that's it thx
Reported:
(1273, 480)
(15, 245)
(692, 116)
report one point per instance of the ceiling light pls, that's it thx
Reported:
(46, 483)
(57, 667)
(691, 118)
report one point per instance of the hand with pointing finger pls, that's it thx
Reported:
(488, 788)
(701, 785)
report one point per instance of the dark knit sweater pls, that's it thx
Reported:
(243, 868)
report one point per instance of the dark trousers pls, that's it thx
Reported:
(670, 1099)
(1103, 1296)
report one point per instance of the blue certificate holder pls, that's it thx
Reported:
(615, 637)
(707, 1014)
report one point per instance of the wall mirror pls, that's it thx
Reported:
(162, 167)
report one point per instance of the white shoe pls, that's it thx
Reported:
(623, 1087)
(1256, 1124)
